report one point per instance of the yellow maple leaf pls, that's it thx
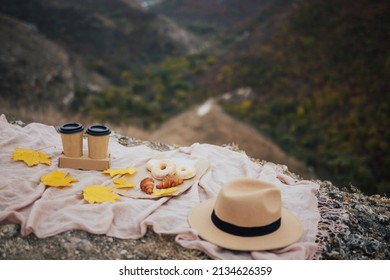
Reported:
(57, 179)
(122, 171)
(99, 194)
(164, 192)
(30, 157)
(121, 183)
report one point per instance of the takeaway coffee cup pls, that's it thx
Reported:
(98, 137)
(72, 139)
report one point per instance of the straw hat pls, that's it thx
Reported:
(246, 215)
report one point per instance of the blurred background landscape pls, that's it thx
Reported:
(298, 82)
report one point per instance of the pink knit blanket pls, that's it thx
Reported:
(47, 211)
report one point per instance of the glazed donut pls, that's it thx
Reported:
(163, 168)
(185, 172)
(151, 163)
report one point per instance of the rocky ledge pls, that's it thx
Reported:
(352, 226)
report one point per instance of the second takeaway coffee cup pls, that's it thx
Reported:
(72, 139)
(98, 137)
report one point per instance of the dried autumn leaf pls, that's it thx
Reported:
(121, 183)
(99, 194)
(57, 179)
(164, 192)
(122, 171)
(30, 157)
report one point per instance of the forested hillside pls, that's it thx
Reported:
(322, 83)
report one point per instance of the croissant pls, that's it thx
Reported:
(170, 181)
(147, 185)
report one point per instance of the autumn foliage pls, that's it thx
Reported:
(322, 84)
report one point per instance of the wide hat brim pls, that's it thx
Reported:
(290, 231)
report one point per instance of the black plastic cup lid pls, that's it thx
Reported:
(69, 128)
(98, 130)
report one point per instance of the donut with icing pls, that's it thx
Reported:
(163, 168)
(185, 172)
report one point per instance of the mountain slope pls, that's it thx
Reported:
(96, 45)
(36, 72)
(322, 81)
(33, 69)
(111, 36)
(208, 123)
